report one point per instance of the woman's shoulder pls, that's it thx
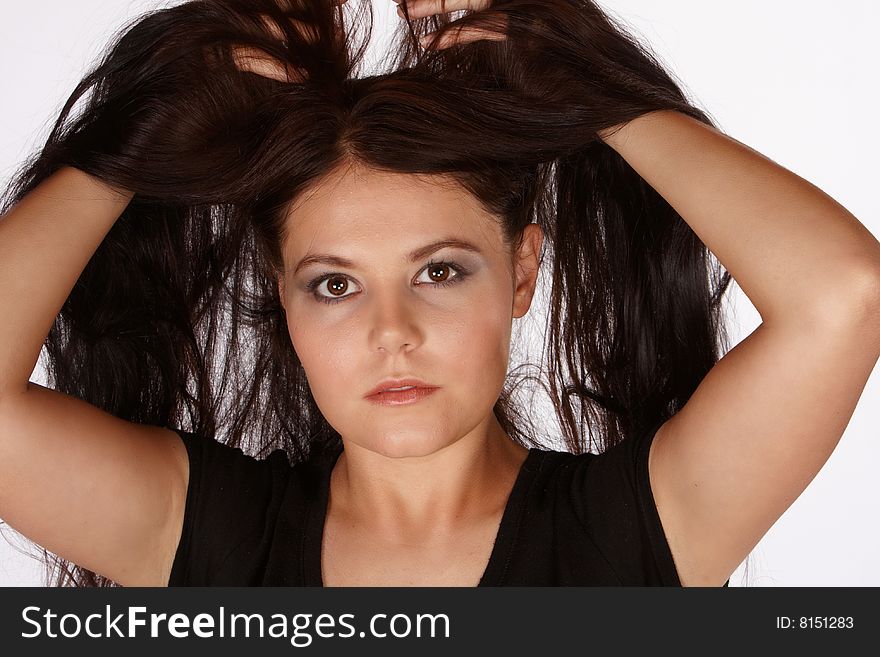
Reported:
(221, 462)
(594, 486)
(603, 501)
(236, 505)
(629, 450)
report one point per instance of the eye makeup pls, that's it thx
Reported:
(460, 274)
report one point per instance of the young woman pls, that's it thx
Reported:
(277, 301)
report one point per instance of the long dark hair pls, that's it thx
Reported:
(176, 321)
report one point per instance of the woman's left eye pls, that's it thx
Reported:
(446, 268)
(439, 275)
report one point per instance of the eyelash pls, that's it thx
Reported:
(461, 274)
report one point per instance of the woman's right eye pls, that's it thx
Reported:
(337, 284)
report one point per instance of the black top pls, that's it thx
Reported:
(570, 520)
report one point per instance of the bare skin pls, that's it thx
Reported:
(427, 473)
(361, 549)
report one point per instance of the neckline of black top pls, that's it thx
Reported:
(505, 539)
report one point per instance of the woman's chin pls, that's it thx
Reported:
(406, 445)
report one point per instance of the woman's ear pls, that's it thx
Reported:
(527, 262)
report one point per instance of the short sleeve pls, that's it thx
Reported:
(232, 503)
(621, 515)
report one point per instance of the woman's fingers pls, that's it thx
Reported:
(452, 36)
(422, 8)
(260, 62)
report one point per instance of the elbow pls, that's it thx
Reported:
(865, 287)
(871, 308)
(852, 304)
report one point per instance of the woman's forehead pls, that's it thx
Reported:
(371, 194)
(386, 211)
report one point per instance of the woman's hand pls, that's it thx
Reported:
(413, 9)
(255, 60)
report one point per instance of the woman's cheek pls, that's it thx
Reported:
(317, 350)
(484, 343)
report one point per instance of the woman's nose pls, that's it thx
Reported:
(394, 322)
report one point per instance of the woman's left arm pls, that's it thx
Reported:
(798, 254)
(767, 417)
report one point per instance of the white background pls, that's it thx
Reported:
(794, 80)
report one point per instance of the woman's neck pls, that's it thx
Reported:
(437, 492)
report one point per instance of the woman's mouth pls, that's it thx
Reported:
(405, 395)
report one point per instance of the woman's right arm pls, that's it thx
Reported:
(94, 489)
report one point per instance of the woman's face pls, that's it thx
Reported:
(384, 315)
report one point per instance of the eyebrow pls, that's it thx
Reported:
(418, 254)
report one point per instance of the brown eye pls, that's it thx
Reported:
(439, 272)
(337, 285)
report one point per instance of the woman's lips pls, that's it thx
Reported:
(399, 397)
